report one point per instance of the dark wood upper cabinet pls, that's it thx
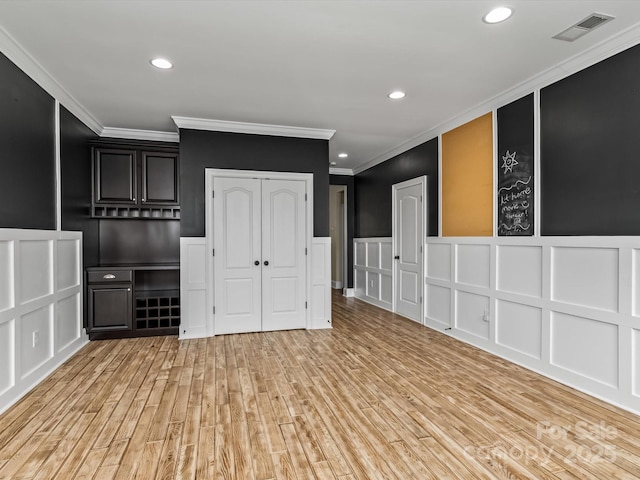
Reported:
(114, 176)
(132, 181)
(160, 181)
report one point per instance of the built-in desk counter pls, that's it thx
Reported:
(133, 300)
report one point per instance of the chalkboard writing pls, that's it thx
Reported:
(515, 168)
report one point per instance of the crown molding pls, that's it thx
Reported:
(252, 128)
(340, 171)
(31, 67)
(132, 134)
(601, 51)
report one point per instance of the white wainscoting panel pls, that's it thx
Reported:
(473, 265)
(7, 355)
(360, 288)
(193, 288)
(470, 310)
(635, 282)
(585, 346)
(320, 304)
(585, 276)
(519, 327)
(36, 263)
(373, 255)
(520, 269)
(439, 304)
(66, 332)
(40, 307)
(361, 254)
(566, 307)
(635, 355)
(373, 274)
(386, 256)
(438, 261)
(6, 275)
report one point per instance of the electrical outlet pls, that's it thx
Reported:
(36, 338)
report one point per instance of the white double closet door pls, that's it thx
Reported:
(259, 254)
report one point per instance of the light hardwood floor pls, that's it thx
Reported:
(376, 397)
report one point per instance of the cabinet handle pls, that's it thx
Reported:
(266, 262)
(134, 199)
(109, 276)
(128, 289)
(143, 200)
(256, 263)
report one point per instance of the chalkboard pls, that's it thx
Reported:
(515, 168)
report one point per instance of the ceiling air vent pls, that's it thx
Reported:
(583, 27)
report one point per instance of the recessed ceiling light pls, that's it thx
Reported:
(396, 95)
(343, 155)
(162, 63)
(497, 15)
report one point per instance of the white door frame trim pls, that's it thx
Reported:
(209, 175)
(422, 181)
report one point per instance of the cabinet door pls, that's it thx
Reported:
(114, 176)
(160, 178)
(110, 307)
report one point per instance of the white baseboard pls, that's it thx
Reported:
(349, 292)
(336, 284)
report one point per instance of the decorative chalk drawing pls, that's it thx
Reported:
(515, 168)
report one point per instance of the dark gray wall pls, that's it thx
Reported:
(589, 150)
(203, 149)
(348, 181)
(75, 176)
(27, 152)
(373, 190)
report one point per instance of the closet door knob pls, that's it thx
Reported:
(266, 262)
(397, 257)
(256, 263)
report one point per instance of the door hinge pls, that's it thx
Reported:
(214, 310)
(305, 197)
(305, 305)
(420, 248)
(305, 251)
(213, 252)
(213, 194)
(420, 299)
(420, 198)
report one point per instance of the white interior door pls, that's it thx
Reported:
(408, 238)
(237, 240)
(283, 254)
(259, 238)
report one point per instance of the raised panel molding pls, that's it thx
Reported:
(635, 354)
(585, 276)
(519, 327)
(40, 307)
(565, 307)
(585, 346)
(473, 264)
(373, 275)
(194, 320)
(320, 283)
(520, 269)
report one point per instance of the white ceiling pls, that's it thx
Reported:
(315, 64)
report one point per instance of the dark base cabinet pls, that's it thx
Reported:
(110, 306)
(133, 301)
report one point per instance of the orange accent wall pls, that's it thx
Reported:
(467, 179)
